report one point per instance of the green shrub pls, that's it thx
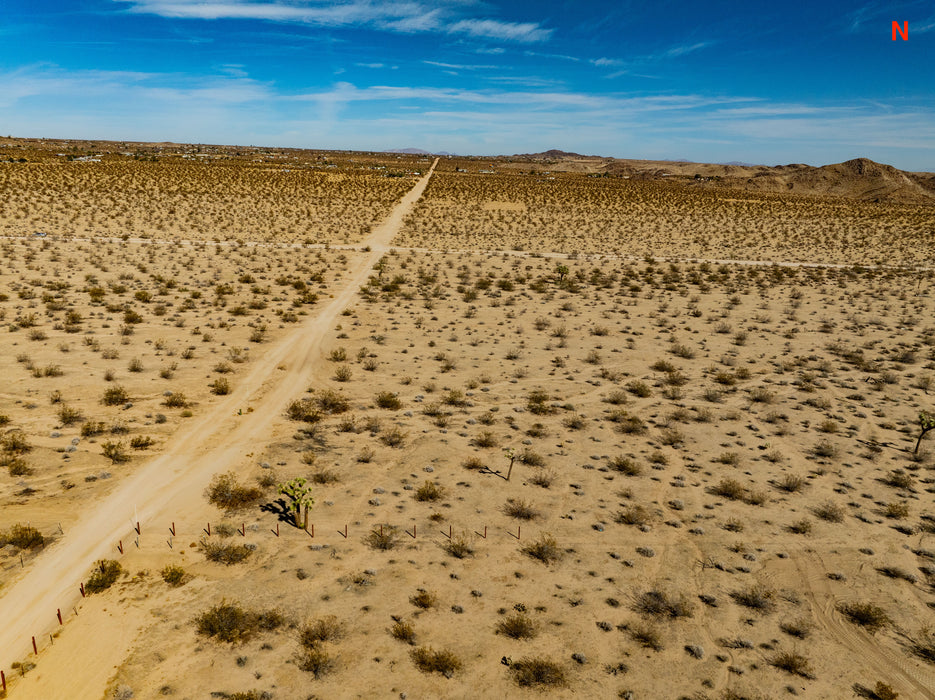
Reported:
(105, 575)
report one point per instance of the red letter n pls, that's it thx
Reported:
(901, 31)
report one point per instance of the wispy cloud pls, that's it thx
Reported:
(402, 16)
(676, 51)
(459, 66)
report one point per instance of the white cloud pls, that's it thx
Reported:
(403, 16)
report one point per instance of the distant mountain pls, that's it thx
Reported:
(418, 152)
(553, 154)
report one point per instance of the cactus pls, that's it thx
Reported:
(301, 496)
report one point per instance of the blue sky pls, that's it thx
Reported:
(762, 82)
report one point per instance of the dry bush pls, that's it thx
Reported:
(869, 616)
(538, 672)
(829, 511)
(758, 598)
(428, 660)
(646, 636)
(625, 465)
(324, 629)
(303, 410)
(429, 492)
(923, 645)
(661, 604)
(229, 622)
(115, 396)
(384, 539)
(791, 483)
(423, 599)
(176, 400)
(792, 662)
(22, 537)
(223, 552)
(459, 547)
(521, 510)
(403, 631)
(545, 549)
(728, 488)
(174, 575)
(225, 492)
(388, 400)
(221, 386)
(517, 626)
(634, 515)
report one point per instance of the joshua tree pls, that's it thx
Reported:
(511, 455)
(926, 423)
(561, 271)
(301, 496)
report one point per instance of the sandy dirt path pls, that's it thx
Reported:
(176, 479)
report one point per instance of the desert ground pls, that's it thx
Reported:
(555, 445)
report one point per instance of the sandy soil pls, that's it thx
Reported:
(723, 455)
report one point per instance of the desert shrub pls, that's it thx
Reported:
(176, 400)
(797, 628)
(114, 396)
(303, 410)
(646, 636)
(403, 631)
(791, 483)
(661, 604)
(324, 629)
(92, 428)
(423, 599)
(728, 488)
(519, 509)
(332, 402)
(536, 403)
(543, 479)
(15, 443)
(801, 527)
(105, 575)
(896, 510)
(22, 537)
(324, 476)
(384, 540)
(640, 389)
(537, 671)
(229, 622)
(756, 597)
(428, 660)
(898, 479)
(225, 492)
(173, 575)
(518, 626)
(473, 463)
(485, 439)
(394, 437)
(223, 552)
(545, 549)
(429, 491)
(315, 660)
(459, 547)
(68, 415)
(115, 452)
(829, 511)
(825, 448)
(141, 442)
(792, 662)
(867, 615)
(637, 515)
(762, 395)
(221, 386)
(388, 400)
(923, 645)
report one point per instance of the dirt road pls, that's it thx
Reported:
(177, 478)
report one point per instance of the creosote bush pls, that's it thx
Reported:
(384, 540)
(545, 549)
(517, 626)
(869, 616)
(22, 537)
(105, 574)
(232, 623)
(225, 492)
(661, 604)
(403, 631)
(174, 575)
(224, 552)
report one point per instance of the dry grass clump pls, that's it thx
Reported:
(728, 488)
(388, 400)
(229, 622)
(423, 599)
(324, 629)
(115, 396)
(646, 636)
(225, 492)
(403, 631)
(661, 604)
(303, 410)
(427, 660)
(538, 672)
(869, 616)
(923, 645)
(634, 515)
(174, 575)
(791, 483)
(545, 549)
(105, 575)
(829, 511)
(517, 626)
(625, 465)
